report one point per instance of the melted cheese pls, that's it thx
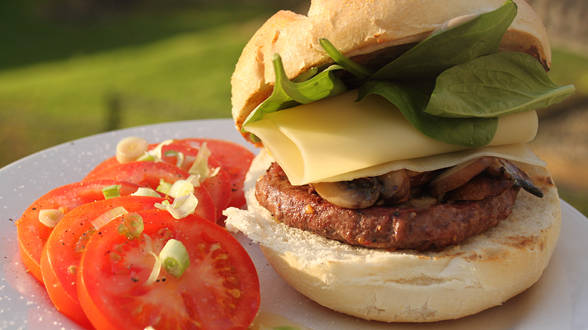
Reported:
(340, 139)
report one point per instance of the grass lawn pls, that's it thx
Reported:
(184, 75)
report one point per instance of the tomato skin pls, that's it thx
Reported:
(144, 174)
(32, 234)
(64, 249)
(110, 162)
(232, 156)
(221, 187)
(148, 174)
(219, 290)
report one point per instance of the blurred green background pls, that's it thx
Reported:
(73, 68)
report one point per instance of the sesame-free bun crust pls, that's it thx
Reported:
(358, 27)
(407, 286)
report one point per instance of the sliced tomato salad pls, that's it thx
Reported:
(63, 251)
(235, 158)
(32, 234)
(218, 290)
(149, 174)
(98, 274)
(177, 158)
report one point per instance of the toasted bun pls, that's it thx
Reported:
(407, 286)
(358, 27)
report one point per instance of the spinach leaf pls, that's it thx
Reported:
(446, 48)
(411, 100)
(287, 93)
(494, 85)
(349, 65)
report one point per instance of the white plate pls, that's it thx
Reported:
(558, 301)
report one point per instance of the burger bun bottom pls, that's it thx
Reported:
(409, 286)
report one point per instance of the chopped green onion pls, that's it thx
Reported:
(146, 157)
(156, 152)
(179, 156)
(156, 265)
(354, 68)
(108, 216)
(50, 217)
(111, 191)
(145, 192)
(163, 187)
(155, 270)
(72, 269)
(175, 257)
(200, 168)
(131, 226)
(130, 149)
(182, 206)
(181, 188)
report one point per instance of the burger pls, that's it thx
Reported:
(395, 183)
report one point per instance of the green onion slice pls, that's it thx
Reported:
(181, 188)
(145, 192)
(179, 156)
(163, 187)
(50, 217)
(182, 206)
(155, 271)
(108, 216)
(200, 168)
(146, 157)
(131, 225)
(156, 152)
(175, 257)
(111, 191)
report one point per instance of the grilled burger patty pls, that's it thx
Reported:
(468, 210)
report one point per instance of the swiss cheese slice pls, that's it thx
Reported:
(340, 139)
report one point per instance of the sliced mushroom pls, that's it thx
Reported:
(458, 175)
(355, 194)
(502, 167)
(422, 202)
(395, 186)
(418, 179)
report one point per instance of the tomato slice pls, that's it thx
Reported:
(63, 251)
(32, 234)
(144, 174)
(235, 158)
(219, 289)
(148, 174)
(110, 162)
(218, 186)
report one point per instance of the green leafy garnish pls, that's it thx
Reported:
(446, 48)
(411, 101)
(352, 67)
(494, 85)
(306, 74)
(287, 93)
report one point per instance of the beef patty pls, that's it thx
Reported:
(389, 227)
